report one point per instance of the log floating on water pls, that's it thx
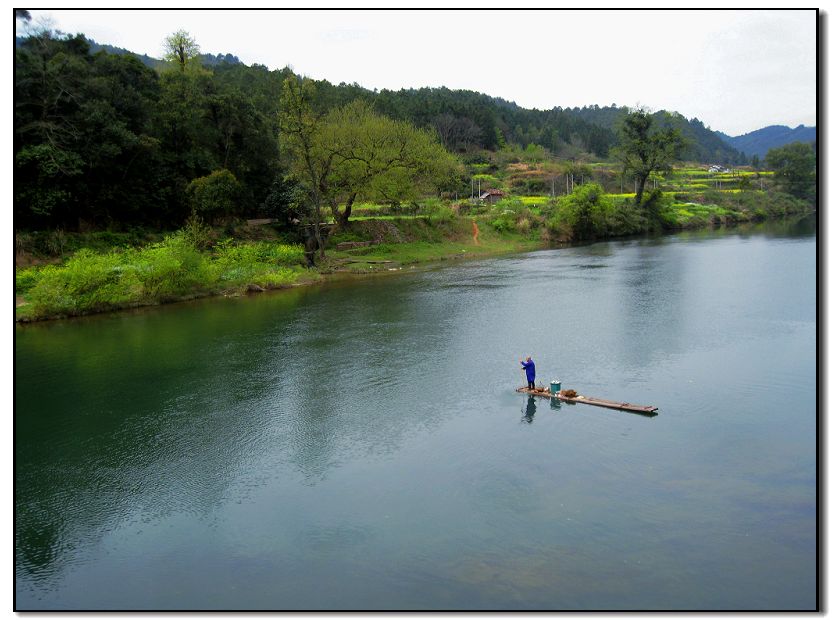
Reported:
(647, 410)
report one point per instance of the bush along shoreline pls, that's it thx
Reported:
(174, 269)
(191, 263)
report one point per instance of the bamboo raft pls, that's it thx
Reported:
(647, 410)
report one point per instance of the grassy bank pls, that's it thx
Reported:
(415, 240)
(173, 269)
(198, 262)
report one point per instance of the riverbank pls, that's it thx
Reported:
(189, 264)
(175, 270)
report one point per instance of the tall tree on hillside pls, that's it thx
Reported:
(181, 49)
(643, 150)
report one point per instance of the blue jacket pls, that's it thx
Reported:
(529, 366)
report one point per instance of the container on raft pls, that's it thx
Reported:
(646, 410)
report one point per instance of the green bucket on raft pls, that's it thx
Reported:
(554, 386)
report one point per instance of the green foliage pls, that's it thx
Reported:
(285, 201)
(197, 232)
(165, 271)
(534, 153)
(504, 223)
(214, 195)
(353, 153)
(489, 180)
(437, 212)
(653, 205)
(794, 167)
(182, 50)
(643, 149)
(88, 280)
(25, 279)
(587, 211)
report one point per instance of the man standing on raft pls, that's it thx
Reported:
(528, 365)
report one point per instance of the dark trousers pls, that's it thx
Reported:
(531, 385)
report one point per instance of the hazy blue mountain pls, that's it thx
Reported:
(760, 141)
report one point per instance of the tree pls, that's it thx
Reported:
(353, 152)
(457, 133)
(214, 195)
(282, 202)
(794, 167)
(377, 158)
(181, 49)
(642, 150)
(300, 128)
(84, 145)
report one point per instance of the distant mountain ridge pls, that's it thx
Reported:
(702, 143)
(760, 141)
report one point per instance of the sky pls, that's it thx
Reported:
(736, 71)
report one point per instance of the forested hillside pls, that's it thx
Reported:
(702, 144)
(150, 61)
(103, 135)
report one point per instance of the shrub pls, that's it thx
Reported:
(197, 232)
(504, 223)
(214, 195)
(169, 269)
(25, 279)
(245, 263)
(87, 281)
(165, 271)
(587, 211)
(439, 213)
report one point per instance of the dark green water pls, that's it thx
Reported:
(360, 445)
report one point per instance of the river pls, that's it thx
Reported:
(360, 445)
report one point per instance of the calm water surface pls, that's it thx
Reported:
(360, 445)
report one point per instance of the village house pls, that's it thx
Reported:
(491, 196)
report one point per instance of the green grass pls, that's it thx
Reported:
(415, 252)
(364, 218)
(691, 214)
(170, 270)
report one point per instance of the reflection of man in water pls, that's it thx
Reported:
(531, 409)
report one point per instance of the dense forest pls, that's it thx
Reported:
(106, 138)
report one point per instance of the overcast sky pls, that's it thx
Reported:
(736, 71)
